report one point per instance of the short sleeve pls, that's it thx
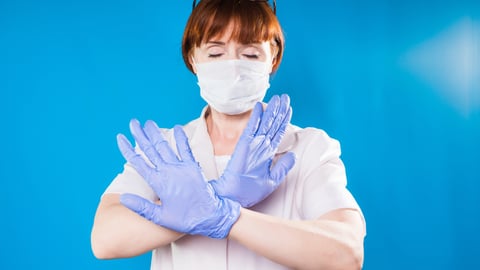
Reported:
(324, 181)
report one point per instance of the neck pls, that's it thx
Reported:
(225, 130)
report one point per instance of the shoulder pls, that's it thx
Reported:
(310, 142)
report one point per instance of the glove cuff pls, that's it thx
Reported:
(230, 213)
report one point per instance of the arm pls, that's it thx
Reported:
(333, 241)
(169, 175)
(118, 232)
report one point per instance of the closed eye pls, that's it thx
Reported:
(251, 56)
(216, 55)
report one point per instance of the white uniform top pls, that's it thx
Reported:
(315, 185)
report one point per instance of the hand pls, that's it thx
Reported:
(188, 203)
(249, 176)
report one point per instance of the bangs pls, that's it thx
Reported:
(250, 24)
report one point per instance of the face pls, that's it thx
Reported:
(224, 48)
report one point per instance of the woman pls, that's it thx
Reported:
(239, 187)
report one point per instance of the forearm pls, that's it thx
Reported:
(118, 232)
(319, 244)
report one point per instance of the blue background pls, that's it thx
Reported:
(397, 82)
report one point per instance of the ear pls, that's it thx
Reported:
(192, 64)
(274, 58)
(274, 61)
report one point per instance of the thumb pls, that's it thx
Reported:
(218, 185)
(140, 206)
(282, 167)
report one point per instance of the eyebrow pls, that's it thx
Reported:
(216, 42)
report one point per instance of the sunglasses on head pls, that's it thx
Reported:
(274, 4)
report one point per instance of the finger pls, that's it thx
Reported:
(137, 161)
(254, 121)
(249, 132)
(269, 115)
(141, 206)
(159, 142)
(283, 165)
(277, 137)
(283, 118)
(183, 147)
(144, 143)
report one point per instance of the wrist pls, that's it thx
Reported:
(230, 213)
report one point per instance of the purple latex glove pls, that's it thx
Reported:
(188, 203)
(249, 176)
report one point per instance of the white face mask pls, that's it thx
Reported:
(233, 86)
